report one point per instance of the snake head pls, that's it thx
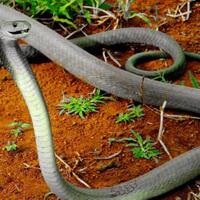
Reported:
(15, 29)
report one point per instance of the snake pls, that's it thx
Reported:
(94, 71)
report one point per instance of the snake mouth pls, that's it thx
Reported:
(25, 31)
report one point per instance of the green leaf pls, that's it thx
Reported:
(10, 146)
(141, 16)
(16, 132)
(193, 80)
(87, 16)
(25, 125)
(56, 18)
(139, 147)
(106, 6)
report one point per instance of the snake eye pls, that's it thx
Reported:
(14, 24)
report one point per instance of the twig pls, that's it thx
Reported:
(102, 10)
(17, 188)
(105, 51)
(73, 173)
(64, 28)
(109, 157)
(178, 15)
(172, 116)
(104, 56)
(113, 59)
(161, 130)
(27, 166)
(178, 11)
(76, 31)
(165, 149)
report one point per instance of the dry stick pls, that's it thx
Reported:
(17, 187)
(102, 21)
(64, 28)
(111, 57)
(73, 173)
(114, 59)
(76, 31)
(172, 116)
(161, 130)
(109, 157)
(27, 166)
(179, 13)
(104, 56)
(102, 10)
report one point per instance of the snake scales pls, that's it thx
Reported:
(108, 78)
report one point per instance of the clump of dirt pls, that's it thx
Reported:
(80, 142)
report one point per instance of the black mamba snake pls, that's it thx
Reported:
(106, 77)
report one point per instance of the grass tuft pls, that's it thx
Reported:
(193, 80)
(141, 148)
(82, 106)
(133, 113)
(10, 146)
(18, 128)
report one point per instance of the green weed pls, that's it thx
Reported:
(141, 148)
(193, 80)
(10, 146)
(134, 112)
(18, 128)
(66, 11)
(124, 7)
(82, 106)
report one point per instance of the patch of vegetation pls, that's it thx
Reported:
(66, 11)
(10, 146)
(82, 106)
(63, 11)
(133, 113)
(18, 128)
(124, 7)
(193, 80)
(141, 148)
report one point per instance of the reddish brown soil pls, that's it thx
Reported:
(85, 139)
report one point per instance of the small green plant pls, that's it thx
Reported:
(193, 80)
(82, 106)
(134, 112)
(140, 148)
(18, 128)
(64, 11)
(124, 7)
(10, 146)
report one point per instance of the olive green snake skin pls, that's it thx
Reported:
(106, 77)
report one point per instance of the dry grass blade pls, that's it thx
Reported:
(109, 157)
(178, 11)
(73, 173)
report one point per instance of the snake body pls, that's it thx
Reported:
(106, 77)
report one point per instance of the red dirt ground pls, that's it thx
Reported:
(85, 139)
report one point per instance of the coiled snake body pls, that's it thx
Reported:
(108, 78)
